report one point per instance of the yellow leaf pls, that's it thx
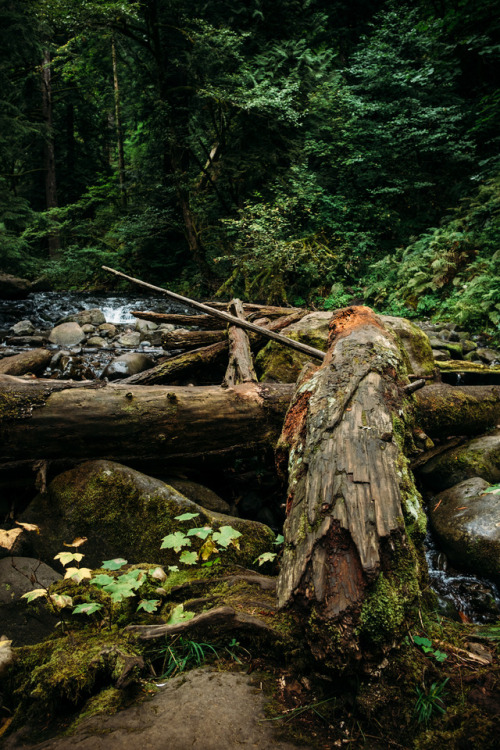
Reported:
(78, 574)
(7, 538)
(76, 542)
(208, 549)
(29, 526)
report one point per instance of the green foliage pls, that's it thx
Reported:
(225, 537)
(430, 701)
(182, 653)
(427, 647)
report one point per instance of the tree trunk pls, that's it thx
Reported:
(49, 153)
(351, 566)
(118, 126)
(200, 321)
(44, 419)
(445, 410)
(191, 339)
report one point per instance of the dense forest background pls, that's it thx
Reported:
(307, 151)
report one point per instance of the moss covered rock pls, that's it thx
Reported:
(466, 520)
(126, 514)
(477, 458)
(276, 363)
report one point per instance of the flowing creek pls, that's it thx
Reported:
(459, 595)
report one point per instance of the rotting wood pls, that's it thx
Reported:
(220, 619)
(252, 309)
(266, 332)
(349, 492)
(199, 321)
(240, 368)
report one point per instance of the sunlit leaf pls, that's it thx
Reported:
(266, 557)
(226, 536)
(7, 538)
(148, 605)
(186, 516)
(29, 526)
(175, 541)
(178, 615)
(208, 549)
(35, 594)
(188, 558)
(102, 579)
(87, 609)
(78, 574)
(76, 542)
(279, 539)
(67, 557)
(202, 532)
(158, 574)
(61, 600)
(115, 564)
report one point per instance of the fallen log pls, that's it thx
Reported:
(445, 410)
(201, 363)
(266, 332)
(191, 339)
(351, 565)
(44, 419)
(240, 368)
(200, 321)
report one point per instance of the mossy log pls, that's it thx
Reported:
(445, 410)
(354, 524)
(199, 321)
(44, 419)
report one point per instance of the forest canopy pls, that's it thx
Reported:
(280, 150)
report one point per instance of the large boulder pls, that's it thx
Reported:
(93, 317)
(12, 287)
(127, 364)
(124, 513)
(277, 363)
(466, 520)
(67, 334)
(479, 457)
(200, 494)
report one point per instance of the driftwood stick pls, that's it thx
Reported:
(297, 345)
(240, 368)
(220, 618)
(415, 386)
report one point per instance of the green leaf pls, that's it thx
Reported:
(120, 591)
(279, 539)
(115, 564)
(202, 532)
(148, 605)
(226, 536)
(87, 609)
(175, 541)
(493, 490)
(67, 557)
(61, 600)
(440, 656)
(186, 516)
(266, 557)
(35, 594)
(178, 615)
(102, 579)
(188, 558)
(423, 642)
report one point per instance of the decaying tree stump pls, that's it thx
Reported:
(350, 562)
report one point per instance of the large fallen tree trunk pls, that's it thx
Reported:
(352, 559)
(45, 419)
(444, 410)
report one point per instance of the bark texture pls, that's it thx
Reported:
(349, 561)
(240, 368)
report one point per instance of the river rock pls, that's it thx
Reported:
(97, 341)
(88, 328)
(23, 328)
(130, 338)
(13, 287)
(127, 364)
(466, 520)
(34, 361)
(67, 334)
(107, 329)
(126, 514)
(143, 326)
(479, 457)
(489, 356)
(204, 496)
(94, 316)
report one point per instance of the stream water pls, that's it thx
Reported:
(459, 595)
